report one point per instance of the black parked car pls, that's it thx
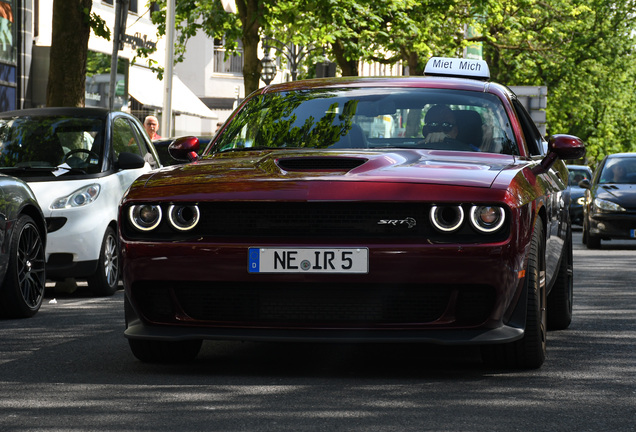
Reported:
(610, 201)
(22, 244)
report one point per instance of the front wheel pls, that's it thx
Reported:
(150, 351)
(22, 291)
(105, 281)
(529, 351)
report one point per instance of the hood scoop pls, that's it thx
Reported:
(320, 163)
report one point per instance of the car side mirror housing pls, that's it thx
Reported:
(564, 147)
(185, 149)
(585, 184)
(127, 161)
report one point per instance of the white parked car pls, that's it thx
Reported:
(78, 162)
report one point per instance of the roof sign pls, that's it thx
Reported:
(457, 67)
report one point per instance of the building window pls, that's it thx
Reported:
(132, 5)
(233, 64)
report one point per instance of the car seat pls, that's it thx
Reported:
(469, 125)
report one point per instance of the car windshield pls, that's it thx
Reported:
(371, 118)
(619, 170)
(576, 175)
(47, 143)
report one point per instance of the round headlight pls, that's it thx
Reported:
(145, 217)
(183, 217)
(487, 219)
(447, 218)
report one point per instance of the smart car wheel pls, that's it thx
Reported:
(165, 352)
(22, 292)
(529, 351)
(560, 298)
(106, 278)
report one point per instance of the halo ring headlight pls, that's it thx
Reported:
(145, 217)
(183, 217)
(447, 218)
(487, 218)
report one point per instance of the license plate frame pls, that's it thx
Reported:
(315, 260)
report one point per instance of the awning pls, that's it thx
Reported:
(144, 86)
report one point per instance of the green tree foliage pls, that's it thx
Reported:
(582, 50)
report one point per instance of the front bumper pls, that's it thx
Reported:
(446, 294)
(613, 225)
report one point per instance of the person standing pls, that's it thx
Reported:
(151, 124)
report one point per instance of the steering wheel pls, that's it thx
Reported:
(80, 150)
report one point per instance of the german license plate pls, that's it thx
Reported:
(632, 233)
(308, 260)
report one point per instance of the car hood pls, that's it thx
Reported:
(622, 194)
(408, 166)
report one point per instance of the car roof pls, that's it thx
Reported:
(49, 111)
(438, 82)
(621, 155)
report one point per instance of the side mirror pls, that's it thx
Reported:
(564, 147)
(585, 184)
(185, 149)
(127, 161)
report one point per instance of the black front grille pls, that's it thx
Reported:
(292, 219)
(306, 304)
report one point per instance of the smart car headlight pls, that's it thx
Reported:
(605, 205)
(79, 198)
(145, 217)
(183, 217)
(487, 218)
(447, 218)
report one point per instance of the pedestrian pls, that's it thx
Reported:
(151, 124)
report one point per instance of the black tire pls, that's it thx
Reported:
(105, 281)
(562, 293)
(592, 242)
(529, 351)
(584, 234)
(22, 291)
(165, 352)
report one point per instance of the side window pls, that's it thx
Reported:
(530, 131)
(124, 139)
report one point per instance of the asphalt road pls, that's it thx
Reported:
(69, 369)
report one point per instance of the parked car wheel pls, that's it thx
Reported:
(561, 296)
(106, 279)
(23, 288)
(150, 351)
(529, 351)
(591, 241)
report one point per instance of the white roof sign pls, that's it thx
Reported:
(457, 67)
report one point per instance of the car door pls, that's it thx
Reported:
(126, 139)
(556, 194)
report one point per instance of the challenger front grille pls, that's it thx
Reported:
(311, 304)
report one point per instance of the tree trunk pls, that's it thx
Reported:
(248, 11)
(347, 67)
(69, 49)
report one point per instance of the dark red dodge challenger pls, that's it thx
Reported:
(412, 209)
